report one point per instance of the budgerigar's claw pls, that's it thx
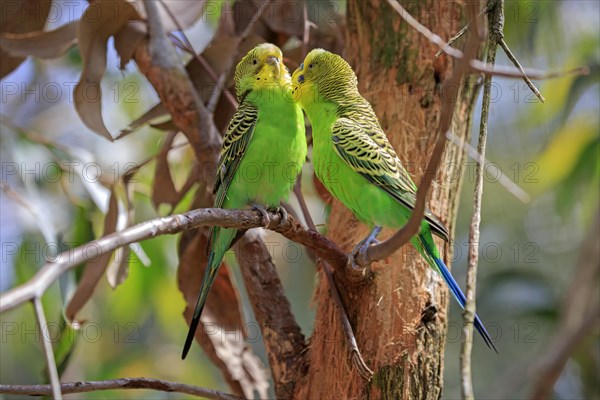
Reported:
(264, 215)
(283, 212)
(360, 250)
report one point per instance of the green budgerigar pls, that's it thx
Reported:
(354, 160)
(263, 152)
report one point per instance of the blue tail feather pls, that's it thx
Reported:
(460, 297)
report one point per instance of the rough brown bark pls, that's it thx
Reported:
(399, 316)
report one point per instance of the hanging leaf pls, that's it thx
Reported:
(20, 17)
(42, 44)
(95, 268)
(127, 39)
(102, 19)
(163, 188)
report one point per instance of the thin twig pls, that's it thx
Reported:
(511, 72)
(48, 352)
(216, 94)
(242, 219)
(477, 65)
(474, 233)
(433, 38)
(503, 180)
(512, 58)
(355, 354)
(451, 86)
(122, 384)
(187, 46)
(454, 38)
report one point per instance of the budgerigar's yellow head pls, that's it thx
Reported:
(323, 76)
(261, 68)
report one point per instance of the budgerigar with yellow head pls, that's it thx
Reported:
(263, 152)
(354, 160)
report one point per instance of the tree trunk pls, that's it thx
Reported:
(399, 316)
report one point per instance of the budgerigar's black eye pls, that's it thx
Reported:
(311, 65)
(255, 61)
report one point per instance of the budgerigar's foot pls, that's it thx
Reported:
(360, 250)
(264, 215)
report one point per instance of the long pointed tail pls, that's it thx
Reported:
(455, 289)
(222, 240)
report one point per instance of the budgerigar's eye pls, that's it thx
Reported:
(311, 65)
(255, 61)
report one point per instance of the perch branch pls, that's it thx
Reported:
(122, 384)
(496, 16)
(241, 219)
(451, 87)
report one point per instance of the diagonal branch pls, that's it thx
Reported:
(510, 186)
(433, 38)
(122, 384)
(48, 352)
(450, 88)
(220, 86)
(241, 219)
(512, 58)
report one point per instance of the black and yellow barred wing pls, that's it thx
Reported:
(370, 154)
(238, 136)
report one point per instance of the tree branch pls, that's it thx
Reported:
(241, 219)
(512, 58)
(48, 351)
(450, 87)
(433, 38)
(510, 186)
(220, 86)
(158, 61)
(122, 383)
(495, 17)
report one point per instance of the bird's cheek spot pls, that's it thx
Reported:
(301, 79)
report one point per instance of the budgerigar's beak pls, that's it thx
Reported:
(272, 60)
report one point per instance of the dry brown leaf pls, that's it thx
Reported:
(118, 267)
(285, 16)
(42, 44)
(95, 268)
(20, 17)
(163, 188)
(187, 12)
(102, 19)
(127, 39)
(156, 112)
